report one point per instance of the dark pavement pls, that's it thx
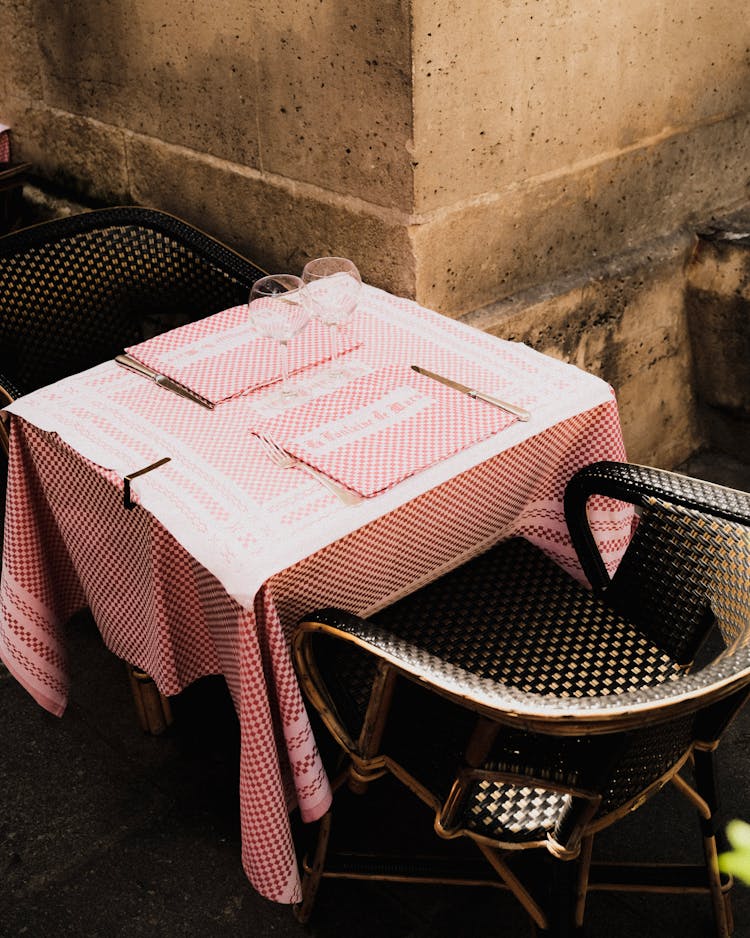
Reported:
(107, 832)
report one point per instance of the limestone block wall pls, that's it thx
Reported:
(460, 152)
(718, 308)
(498, 161)
(282, 127)
(553, 134)
(625, 321)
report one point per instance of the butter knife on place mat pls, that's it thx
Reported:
(519, 412)
(162, 380)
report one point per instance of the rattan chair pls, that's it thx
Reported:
(527, 711)
(76, 291)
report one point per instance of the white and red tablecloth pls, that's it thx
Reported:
(224, 553)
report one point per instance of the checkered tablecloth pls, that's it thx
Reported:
(223, 554)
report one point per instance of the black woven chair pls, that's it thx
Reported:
(529, 712)
(76, 291)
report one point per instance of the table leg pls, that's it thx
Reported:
(153, 709)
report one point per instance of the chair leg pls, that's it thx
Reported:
(720, 900)
(705, 779)
(582, 881)
(312, 877)
(514, 884)
(564, 881)
(153, 709)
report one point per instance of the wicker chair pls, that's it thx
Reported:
(75, 291)
(529, 712)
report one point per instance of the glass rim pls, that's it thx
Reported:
(345, 261)
(279, 278)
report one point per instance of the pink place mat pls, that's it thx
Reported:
(220, 357)
(382, 427)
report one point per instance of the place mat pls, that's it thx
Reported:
(382, 427)
(221, 356)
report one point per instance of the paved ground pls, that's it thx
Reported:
(105, 832)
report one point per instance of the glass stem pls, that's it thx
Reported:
(284, 367)
(338, 341)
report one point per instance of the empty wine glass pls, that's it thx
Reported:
(278, 311)
(333, 286)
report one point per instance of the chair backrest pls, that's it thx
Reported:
(687, 568)
(75, 291)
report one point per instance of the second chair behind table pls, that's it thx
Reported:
(527, 712)
(76, 291)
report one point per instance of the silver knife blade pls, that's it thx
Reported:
(519, 412)
(162, 380)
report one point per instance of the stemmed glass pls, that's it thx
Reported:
(333, 286)
(281, 317)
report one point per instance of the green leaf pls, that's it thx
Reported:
(736, 862)
(738, 833)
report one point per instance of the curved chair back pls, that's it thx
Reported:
(75, 291)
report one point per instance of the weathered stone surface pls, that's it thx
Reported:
(511, 142)
(335, 96)
(626, 323)
(280, 226)
(286, 87)
(718, 307)
(83, 157)
(533, 234)
(510, 92)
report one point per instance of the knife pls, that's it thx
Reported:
(162, 380)
(472, 392)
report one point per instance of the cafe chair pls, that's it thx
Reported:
(528, 712)
(76, 291)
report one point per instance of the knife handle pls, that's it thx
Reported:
(519, 412)
(127, 362)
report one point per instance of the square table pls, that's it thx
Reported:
(224, 552)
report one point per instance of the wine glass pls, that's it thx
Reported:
(333, 286)
(279, 312)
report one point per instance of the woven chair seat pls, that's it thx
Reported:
(512, 813)
(536, 629)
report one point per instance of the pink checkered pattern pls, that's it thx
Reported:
(382, 427)
(222, 356)
(210, 573)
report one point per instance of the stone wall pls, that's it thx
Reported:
(512, 162)
(625, 321)
(718, 308)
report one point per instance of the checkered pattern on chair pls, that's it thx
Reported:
(530, 711)
(75, 291)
